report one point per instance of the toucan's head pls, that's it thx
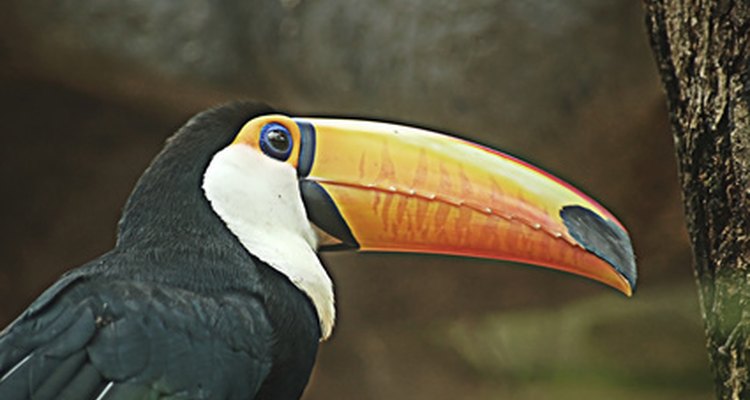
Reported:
(287, 186)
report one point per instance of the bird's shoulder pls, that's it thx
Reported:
(94, 333)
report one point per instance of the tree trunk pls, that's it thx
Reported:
(701, 49)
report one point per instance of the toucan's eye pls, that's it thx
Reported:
(276, 141)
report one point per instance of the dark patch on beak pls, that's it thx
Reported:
(602, 238)
(323, 213)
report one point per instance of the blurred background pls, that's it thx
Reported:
(91, 89)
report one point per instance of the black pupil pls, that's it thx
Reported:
(278, 140)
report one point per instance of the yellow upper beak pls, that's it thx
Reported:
(385, 187)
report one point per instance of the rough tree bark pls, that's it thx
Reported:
(702, 52)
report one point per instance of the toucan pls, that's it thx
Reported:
(214, 289)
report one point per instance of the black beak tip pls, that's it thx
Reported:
(602, 238)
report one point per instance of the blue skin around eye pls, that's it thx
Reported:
(266, 146)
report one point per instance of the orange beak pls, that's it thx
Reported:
(385, 187)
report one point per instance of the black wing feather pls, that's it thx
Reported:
(135, 340)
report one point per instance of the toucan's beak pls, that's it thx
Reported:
(385, 187)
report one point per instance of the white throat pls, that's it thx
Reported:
(258, 199)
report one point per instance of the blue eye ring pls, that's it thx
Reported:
(276, 141)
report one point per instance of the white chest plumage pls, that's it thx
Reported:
(258, 199)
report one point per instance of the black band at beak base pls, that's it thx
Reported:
(307, 148)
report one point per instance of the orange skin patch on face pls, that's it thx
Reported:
(250, 134)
